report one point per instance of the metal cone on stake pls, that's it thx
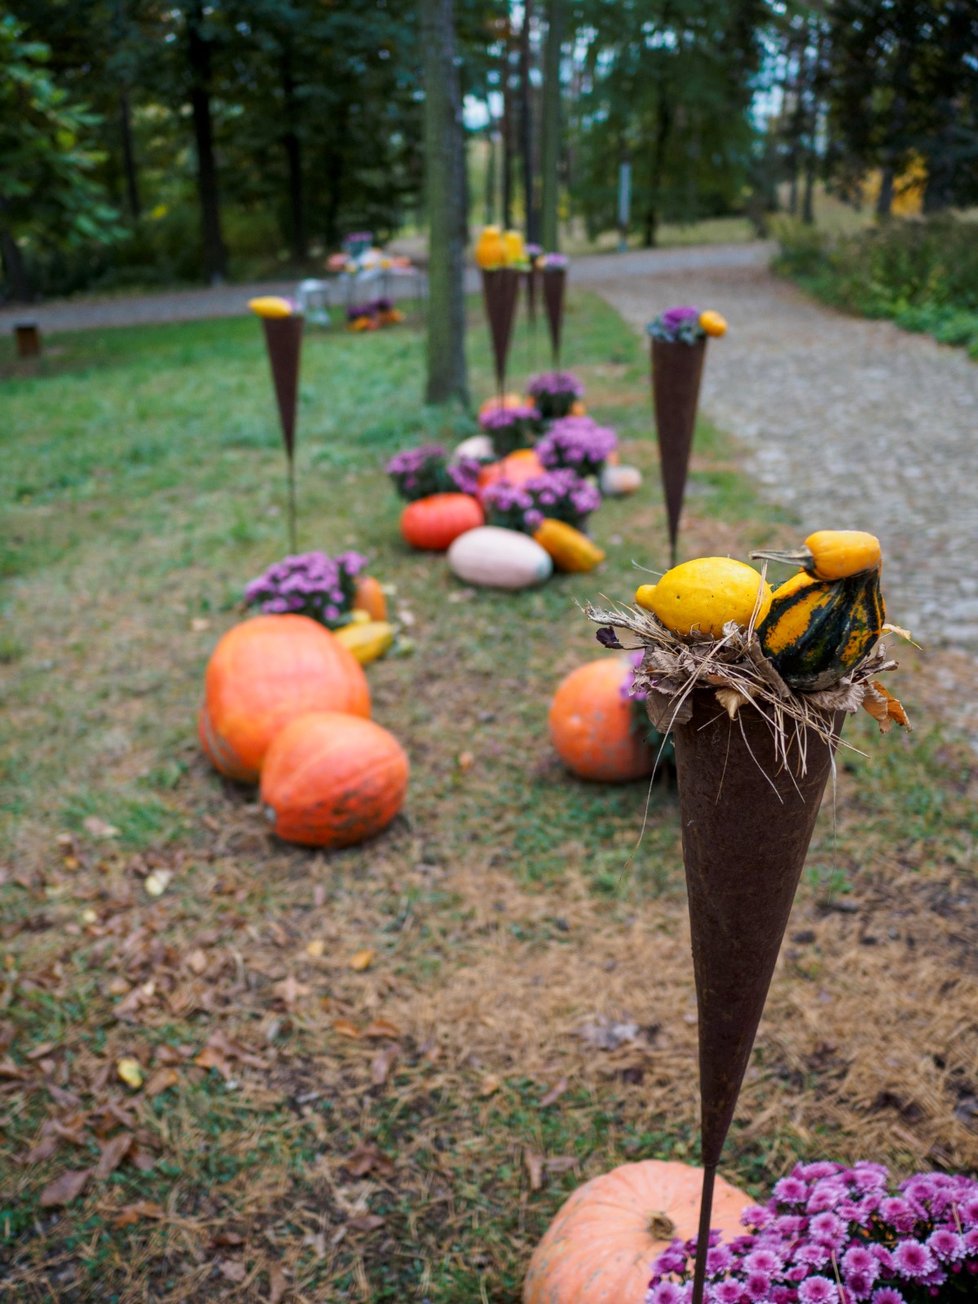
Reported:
(283, 341)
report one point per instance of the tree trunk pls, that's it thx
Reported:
(884, 200)
(526, 129)
(490, 199)
(199, 55)
(445, 191)
(15, 270)
(293, 159)
(129, 157)
(507, 140)
(662, 134)
(550, 126)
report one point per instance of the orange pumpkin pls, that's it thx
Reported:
(600, 1247)
(494, 405)
(370, 597)
(591, 725)
(262, 674)
(435, 522)
(331, 780)
(517, 468)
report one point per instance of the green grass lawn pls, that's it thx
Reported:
(370, 1134)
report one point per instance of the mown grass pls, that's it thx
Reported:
(368, 1131)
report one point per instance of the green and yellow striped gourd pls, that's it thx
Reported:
(825, 620)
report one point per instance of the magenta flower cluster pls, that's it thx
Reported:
(420, 472)
(835, 1235)
(555, 262)
(680, 325)
(577, 442)
(309, 584)
(373, 308)
(561, 495)
(510, 428)
(554, 393)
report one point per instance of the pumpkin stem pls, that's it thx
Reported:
(661, 1226)
(796, 557)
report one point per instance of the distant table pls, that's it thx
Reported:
(317, 299)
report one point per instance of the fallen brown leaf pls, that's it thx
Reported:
(99, 828)
(277, 1284)
(113, 1153)
(289, 990)
(133, 1213)
(65, 1188)
(534, 1169)
(345, 1028)
(233, 1269)
(490, 1085)
(381, 1028)
(362, 960)
(381, 1065)
(160, 1080)
(366, 1222)
(554, 1094)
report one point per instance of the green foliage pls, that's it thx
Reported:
(922, 274)
(48, 192)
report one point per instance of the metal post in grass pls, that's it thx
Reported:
(283, 323)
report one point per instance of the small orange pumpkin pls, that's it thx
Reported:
(517, 468)
(494, 405)
(435, 522)
(591, 725)
(600, 1247)
(262, 674)
(332, 780)
(370, 597)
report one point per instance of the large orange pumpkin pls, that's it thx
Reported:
(435, 522)
(591, 725)
(331, 780)
(517, 468)
(600, 1247)
(262, 674)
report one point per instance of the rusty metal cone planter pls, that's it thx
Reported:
(677, 370)
(283, 340)
(747, 820)
(500, 292)
(554, 287)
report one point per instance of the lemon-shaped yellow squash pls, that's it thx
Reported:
(490, 250)
(271, 305)
(700, 596)
(713, 323)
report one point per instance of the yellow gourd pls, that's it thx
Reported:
(490, 249)
(367, 640)
(271, 305)
(713, 323)
(701, 596)
(570, 549)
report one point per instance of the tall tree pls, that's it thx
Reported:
(445, 202)
(550, 126)
(199, 61)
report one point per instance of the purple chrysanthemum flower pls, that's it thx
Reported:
(554, 393)
(888, 1295)
(913, 1259)
(311, 584)
(790, 1190)
(818, 1290)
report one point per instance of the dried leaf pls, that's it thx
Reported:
(534, 1169)
(211, 1058)
(381, 1028)
(560, 1164)
(98, 828)
(277, 1284)
(130, 1071)
(607, 1034)
(289, 990)
(465, 761)
(365, 1222)
(158, 881)
(884, 707)
(113, 1153)
(65, 1188)
(490, 1085)
(142, 1158)
(133, 1213)
(161, 1080)
(554, 1094)
(368, 1159)
(316, 948)
(381, 1065)
(197, 961)
(345, 1028)
(362, 960)
(8, 1069)
(233, 1269)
